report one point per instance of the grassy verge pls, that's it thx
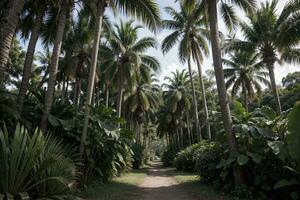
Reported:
(192, 184)
(121, 188)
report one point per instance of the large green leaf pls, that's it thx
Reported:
(284, 183)
(293, 135)
(242, 159)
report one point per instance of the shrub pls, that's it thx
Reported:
(185, 161)
(207, 157)
(138, 155)
(35, 166)
(169, 155)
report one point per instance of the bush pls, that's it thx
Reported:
(207, 158)
(185, 159)
(35, 167)
(169, 155)
(138, 155)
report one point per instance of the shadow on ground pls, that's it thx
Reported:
(154, 183)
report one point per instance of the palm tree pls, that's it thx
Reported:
(177, 97)
(274, 37)
(146, 10)
(127, 59)
(188, 26)
(8, 27)
(244, 71)
(230, 19)
(64, 11)
(191, 24)
(34, 12)
(144, 101)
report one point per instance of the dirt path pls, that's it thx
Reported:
(158, 185)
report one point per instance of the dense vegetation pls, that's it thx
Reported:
(83, 101)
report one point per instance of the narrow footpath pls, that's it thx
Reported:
(159, 185)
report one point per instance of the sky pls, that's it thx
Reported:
(170, 62)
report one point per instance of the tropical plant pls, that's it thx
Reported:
(8, 25)
(244, 72)
(147, 11)
(273, 36)
(189, 29)
(35, 166)
(31, 22)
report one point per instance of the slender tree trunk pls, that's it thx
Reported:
(29, 58)
(188, 128)
(219, 73)
(245, 96)
(54, 66)
(8, 27)
(207, 121)
(274, 88)
(92, 73)
(194, 100)
(107, 96)
(120, 101)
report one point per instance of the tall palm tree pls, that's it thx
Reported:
(244, 72)
(231, 20)
(127, 58)
(274, 36)
(8, 25)
(146, 10)
(144, 101)
(34, 12)
(64, 11)
(189, 26)
(177, 97)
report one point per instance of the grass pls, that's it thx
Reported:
(191, 183)
(120, 188)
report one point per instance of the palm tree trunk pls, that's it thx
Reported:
(194, 100)
(245, 96)
(7, 31)
(92, 73)
(107, 96)
(54, 66)
(274, 88)
(188, 128)
(219, 73)
(29, 57)
(207, 123)
(120, 100)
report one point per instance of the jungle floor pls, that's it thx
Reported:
(153, 183)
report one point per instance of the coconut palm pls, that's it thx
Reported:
(146, 10)
(189, 30)
(127, 59)
(274, 36)
(144, 101)
(177, 97)
(226, 7)
(244, 71)
(64, 11)
(33, 19)
(8, 25)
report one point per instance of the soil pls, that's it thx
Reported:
(158, 185)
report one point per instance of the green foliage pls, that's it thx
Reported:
(108, 151)
(207, 159)
(35, 166)
(138, 155)
(185, 159)
(169, 155)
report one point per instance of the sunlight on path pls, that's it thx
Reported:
(158, 185)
